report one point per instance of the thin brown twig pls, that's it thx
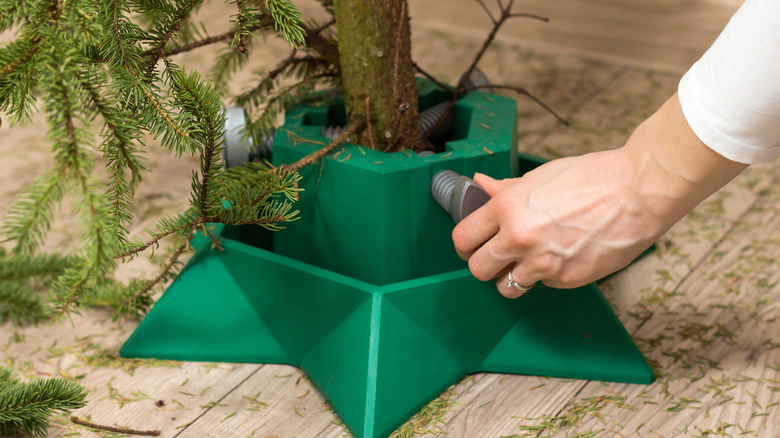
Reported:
(214, 242)
(534, 16)
(523, 91)
(430, 77)
(487, 11)
(11, 66)
(351, 129)
(267, 221)
(319, 30)
(323, 46)
(158, 51)
(122, 430)
(506, 14)
(211, 40)
(167, 268)
(150, 242)
(282, 65)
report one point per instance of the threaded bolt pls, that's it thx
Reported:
(459, 195)
(239, 148)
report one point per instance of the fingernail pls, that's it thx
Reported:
(482, 175)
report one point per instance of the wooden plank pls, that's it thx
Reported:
(560, 81)
(121, 391)
(645, 286)
(486, 403)
(606, 120)
(638, 291)
(278, 400)
(715, 343)
(493, 404)
(160, 398)
(667, 34)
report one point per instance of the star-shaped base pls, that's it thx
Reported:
(379, 353)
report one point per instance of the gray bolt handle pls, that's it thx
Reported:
(459, 195)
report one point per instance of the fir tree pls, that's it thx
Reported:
(106, 64)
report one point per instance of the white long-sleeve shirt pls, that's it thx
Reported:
(731, 96)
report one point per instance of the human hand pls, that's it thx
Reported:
(566, 223)
(575, 220)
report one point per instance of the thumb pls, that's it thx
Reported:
(492, 186)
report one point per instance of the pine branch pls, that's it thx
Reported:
(65, 102)
(18, 56)
(30, 216)
(120, 49)
(202, 102)
(18, 65)
(89, 62)
(14, 13)
(169, 28)
(166, 226)
(120, 152)
(19, 268)
(167, 231)
(164, 273)
(215, 39)
(81, 23)
(287, 21)
(271, 223)
(26, 407)
(20, 304)
(242, 20)
(23, 278)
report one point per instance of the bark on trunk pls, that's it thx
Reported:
(377, 73)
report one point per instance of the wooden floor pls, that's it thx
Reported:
(703, 308)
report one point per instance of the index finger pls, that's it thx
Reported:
(474, 230)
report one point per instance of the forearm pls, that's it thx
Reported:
(672, 171)
(574, 220)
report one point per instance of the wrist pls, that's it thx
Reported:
(672, 170)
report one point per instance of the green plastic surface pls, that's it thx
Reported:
(370, 215)
(379, 353)
(381, 344)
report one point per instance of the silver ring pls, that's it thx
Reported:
(510, 282)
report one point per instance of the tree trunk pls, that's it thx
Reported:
(377, 73)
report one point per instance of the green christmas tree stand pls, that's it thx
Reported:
(365, 293)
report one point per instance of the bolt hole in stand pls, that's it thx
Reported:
(365, 293)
